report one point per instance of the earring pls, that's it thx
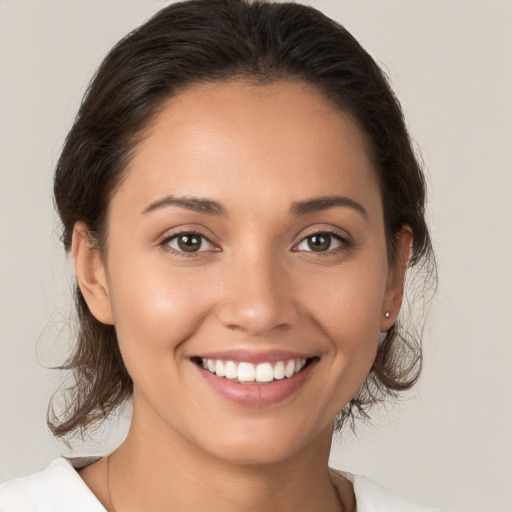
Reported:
(387, 314)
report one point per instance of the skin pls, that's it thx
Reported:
(256, 150)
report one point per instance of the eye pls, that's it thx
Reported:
(320, 242)
(189, 242)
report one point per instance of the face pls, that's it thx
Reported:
(245, 270)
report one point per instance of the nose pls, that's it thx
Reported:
(258, 297)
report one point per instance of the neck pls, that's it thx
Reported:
(163, 471)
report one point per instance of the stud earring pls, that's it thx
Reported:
(387, 314)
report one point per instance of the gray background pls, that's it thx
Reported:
(450, 442)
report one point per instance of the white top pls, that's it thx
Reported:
(59, 488)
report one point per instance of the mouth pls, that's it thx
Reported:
(245, 372)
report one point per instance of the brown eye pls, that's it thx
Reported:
(320, 242)
(189, 242)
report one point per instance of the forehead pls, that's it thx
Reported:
(277, 139)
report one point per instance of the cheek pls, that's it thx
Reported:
(347, 306)
(348, 302)
(154, 308)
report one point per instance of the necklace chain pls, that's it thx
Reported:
(110, 504)
(112, 509)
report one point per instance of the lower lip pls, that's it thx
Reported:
(253, 394)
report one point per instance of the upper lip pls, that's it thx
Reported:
(253, 356)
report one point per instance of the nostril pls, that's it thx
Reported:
(237, 328)
(257, 318)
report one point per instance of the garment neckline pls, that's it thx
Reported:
(77, 463)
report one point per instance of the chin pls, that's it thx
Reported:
(265, 442)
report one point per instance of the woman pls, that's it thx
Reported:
(241, 200)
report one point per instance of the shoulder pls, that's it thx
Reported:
(58, 488)
(371, 497)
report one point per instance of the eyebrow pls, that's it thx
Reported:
(209, 207)
(318, 204)
(196, 204)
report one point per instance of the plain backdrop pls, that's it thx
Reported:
(449, 443)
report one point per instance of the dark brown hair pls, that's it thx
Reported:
(199, 41)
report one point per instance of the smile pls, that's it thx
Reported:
(255, 378)
(245, 372)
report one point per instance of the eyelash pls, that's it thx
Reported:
(164, 243)
(345, 243)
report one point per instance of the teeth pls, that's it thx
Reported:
(219, 369)
(231, 370)
(289, 369)
(264, 372)
(248, 372)
(279, 370)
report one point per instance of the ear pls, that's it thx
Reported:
(396, 277)
(91, 274)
